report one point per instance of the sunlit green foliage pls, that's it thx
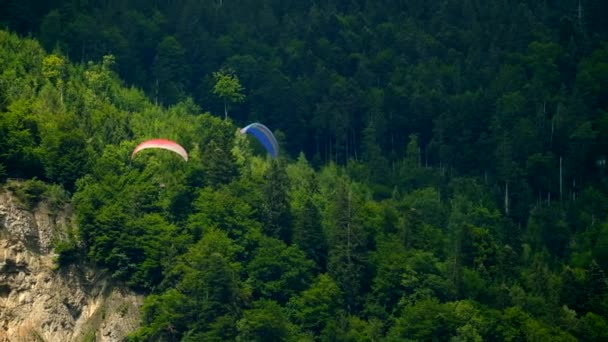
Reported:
(450, 180)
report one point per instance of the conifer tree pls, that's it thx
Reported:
(347, 243)
(276, 208)
(308, 234)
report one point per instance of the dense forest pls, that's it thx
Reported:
(442, 173)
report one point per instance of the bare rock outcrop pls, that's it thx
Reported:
(39, 302)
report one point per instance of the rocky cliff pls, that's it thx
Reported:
(39, 302)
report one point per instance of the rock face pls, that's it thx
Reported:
(41, 303)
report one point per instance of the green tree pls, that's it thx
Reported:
(302, 181)
(275, 206)
(541, 59)
(222, 209)
(308, 234)
(169, 71)
(425, 206)
(596, 287)
(593, 327)
(388, 285)
(163, 317)
(54, 69)
(18, 136)
(471, 244)
(118, 210)
(206, 286)
(548, 228)
(372, 153)
(265, 321)
(591, 79)
(571, 291)
(347, 242)
(278, 271)
(216, 140)
(353, 328)
(51, 30)
(228, 88)
(600, 250)
(315, 307)
(65, 154)
(426, 320)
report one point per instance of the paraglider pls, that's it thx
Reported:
(161, 143)
(264, 136)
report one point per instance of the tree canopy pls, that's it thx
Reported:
(442, 173)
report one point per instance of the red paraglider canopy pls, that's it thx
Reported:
(161, 143)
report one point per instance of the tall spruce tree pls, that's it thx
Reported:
(276, 208)
(308, 234)
(347, 243)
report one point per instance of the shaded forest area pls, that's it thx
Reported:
(443, 167)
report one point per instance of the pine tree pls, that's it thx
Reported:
(314, 308)
(219, 164)
(276, 208)
(596, 289)
(308, 234)
(570, 291)
(170, 72)
(347, 244)
(372, 154)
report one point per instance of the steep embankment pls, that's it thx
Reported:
(41, 303)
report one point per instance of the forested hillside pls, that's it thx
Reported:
(442, 173)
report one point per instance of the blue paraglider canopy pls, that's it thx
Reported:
(264, 136)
